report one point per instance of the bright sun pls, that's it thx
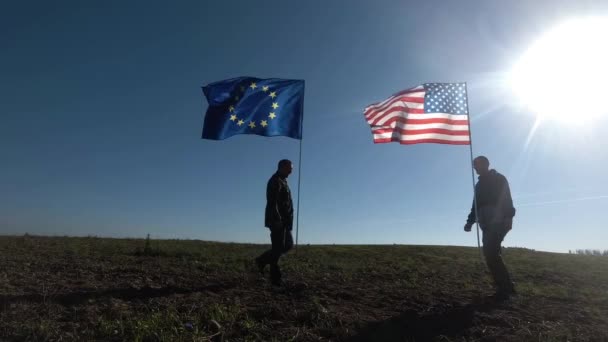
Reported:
(564, 75)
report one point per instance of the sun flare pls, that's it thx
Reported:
(564, 75)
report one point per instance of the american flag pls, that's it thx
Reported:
(429, 113)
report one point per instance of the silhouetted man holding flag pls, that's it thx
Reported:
(495, 213)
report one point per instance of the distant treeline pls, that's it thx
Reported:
(589, 252)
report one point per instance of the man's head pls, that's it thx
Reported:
(285, 168)
(481, 165)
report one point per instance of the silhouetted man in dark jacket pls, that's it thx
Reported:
(495, 213)
(279, 219)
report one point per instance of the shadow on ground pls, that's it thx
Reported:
(413, 326)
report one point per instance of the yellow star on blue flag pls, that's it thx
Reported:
(271, 107)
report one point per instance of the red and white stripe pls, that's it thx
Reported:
(401, 118)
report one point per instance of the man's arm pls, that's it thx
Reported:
(471, 218)
(509, 199)
(507, 202)
(272, 196)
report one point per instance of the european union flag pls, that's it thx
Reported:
(248, 105)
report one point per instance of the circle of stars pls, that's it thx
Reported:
(252, 124)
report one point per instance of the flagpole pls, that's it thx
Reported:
(298, 205)
(472, 170)
(299, 174)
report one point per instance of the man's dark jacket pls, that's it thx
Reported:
(279, 206)
(494, 203)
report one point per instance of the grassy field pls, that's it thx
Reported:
(108, 289)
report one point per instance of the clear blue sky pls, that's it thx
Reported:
(101, 113)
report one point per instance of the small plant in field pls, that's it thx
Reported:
(147, 247)
(148, 250)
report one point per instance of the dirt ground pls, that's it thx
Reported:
(117, 289)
